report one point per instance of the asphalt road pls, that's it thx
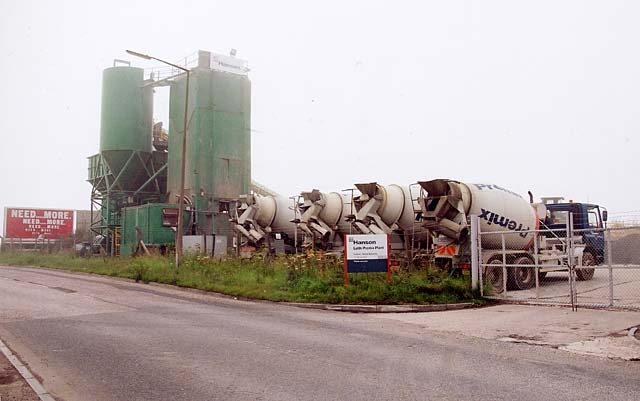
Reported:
(94, 338)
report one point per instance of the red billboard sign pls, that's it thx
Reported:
(31, 223)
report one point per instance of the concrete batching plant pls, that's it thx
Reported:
(135, 182)
(136, 185)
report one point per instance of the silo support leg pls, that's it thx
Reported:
(153, 177)
(149, 172)
(122, 170)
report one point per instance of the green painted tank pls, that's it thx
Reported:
(126, 124)
(218, 162)
(127, 110)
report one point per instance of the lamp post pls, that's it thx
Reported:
(179, 231)
(297, 221)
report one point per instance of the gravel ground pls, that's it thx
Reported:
(12, 386)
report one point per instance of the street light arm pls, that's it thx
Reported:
(144, 56)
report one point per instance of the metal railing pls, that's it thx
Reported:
(163, 71)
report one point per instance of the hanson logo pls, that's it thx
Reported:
(359, 242)
(494, 218)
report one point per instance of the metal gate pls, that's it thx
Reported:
(597, 268)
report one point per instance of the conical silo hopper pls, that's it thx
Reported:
(126, 128)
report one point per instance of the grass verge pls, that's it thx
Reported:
(283, 279)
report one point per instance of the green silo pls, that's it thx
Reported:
(126, 125)
(218, 160)
(127, 171)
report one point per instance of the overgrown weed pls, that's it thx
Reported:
(293, 279)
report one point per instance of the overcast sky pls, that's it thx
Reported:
(538, 95)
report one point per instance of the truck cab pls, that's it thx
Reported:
(588, 222)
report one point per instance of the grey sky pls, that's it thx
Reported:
(539, 95)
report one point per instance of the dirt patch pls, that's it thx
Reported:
(12, 386)
(626, 249)
(7, 376)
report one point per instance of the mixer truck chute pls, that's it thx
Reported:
(261, 217)
(381, 209)
(324, 218)
(446, 207)
(389, 209)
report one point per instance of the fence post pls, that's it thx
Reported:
(480, 261)
(475, 266)
(536, 269)
(570, 263)
(504, 266)
(607, 238)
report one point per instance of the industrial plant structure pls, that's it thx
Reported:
(137, 181)
(135, 177)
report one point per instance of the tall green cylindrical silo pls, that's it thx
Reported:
(218, 162)
(126, 123)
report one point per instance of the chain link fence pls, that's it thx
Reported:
(595, 267)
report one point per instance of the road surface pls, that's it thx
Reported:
(90, 337)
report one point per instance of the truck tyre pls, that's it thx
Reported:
(522, 277)
(494, 276)
(583, 274)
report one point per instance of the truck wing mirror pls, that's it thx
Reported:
(604, 215)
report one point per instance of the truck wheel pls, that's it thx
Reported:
(493, 275)
(523, 277)
(586, 273)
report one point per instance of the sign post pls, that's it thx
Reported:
(367, 254)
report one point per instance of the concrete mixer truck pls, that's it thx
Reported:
(528, 234)
(266, 219)
(324, 218)
(390, 209)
